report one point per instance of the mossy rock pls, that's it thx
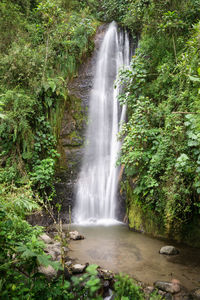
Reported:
(145, 220)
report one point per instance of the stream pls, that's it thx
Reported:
(120, 250)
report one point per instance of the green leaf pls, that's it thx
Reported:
(92, 269)
(194, 79)
(93, 282)
(52, 85)
(2, 116)
(192, 143)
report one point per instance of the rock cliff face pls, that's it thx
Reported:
(73, 127)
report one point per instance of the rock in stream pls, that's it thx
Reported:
(169, 250)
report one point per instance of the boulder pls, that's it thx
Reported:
(68, 263)
(48, 271)
(46, 239)
(78, 268)
(54, 250)
(148, 290)
(196, 294)
(59, 258)
(176, 285)
(169, 250)
(168, 287)
(51, 253)
(161, 293)
(168, 296)
(74, 235)
(182, 296)
(65, 249)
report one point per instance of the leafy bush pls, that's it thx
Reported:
(21, 251)
(125, 289)
(42, 175)
(35, 69)
(160, 148)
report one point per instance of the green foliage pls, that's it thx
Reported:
(155, 296)
(37, 287)
(15, 130)
(148, 15)
(171, 22)
(40, 58)
(10, 24)
(136, 14)
(21, 251)
(87, 286)
(160, 149)
(42, 175)
(42, 43)
(112, 10)
(125, 289)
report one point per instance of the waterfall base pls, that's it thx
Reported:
(97, 222)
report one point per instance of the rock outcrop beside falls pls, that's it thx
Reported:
(73, 125)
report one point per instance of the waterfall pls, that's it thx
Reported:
(96, 189)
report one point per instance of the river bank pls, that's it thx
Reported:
(121, 250)
(170, 277)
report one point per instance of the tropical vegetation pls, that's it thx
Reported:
(160, 150)
(42, 45)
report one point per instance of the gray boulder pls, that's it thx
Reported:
(74, 235)
(48, 271)
(196, 294)
(46, 239)
(168, 287)
(68, 263)
(148, 291)
(168, 296)
(54, 250)
(78, 268)
(169, 250)
(51, 253)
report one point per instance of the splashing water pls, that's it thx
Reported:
(96, 189)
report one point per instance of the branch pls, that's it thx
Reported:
(174, 45)
(46, 57)
(183, 112)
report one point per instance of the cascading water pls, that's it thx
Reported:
(98, 179)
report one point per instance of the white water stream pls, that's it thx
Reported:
(96, 188)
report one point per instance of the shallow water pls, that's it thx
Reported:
(118, 249)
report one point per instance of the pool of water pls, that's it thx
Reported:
(118, 249)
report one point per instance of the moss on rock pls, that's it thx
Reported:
(142, 218)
